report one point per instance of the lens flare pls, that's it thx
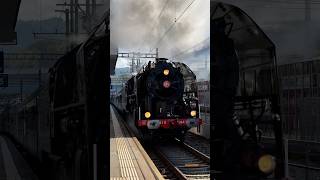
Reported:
(266, 163)
(193, 113)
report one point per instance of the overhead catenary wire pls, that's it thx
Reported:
(155, 22)
(162, 10)
(172, 25)
(40, 17)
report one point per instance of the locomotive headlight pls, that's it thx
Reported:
(147, 114)
(166, 72)
(193, 113)
(266, 164)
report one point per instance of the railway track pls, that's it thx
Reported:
(180, 159)
(198, 142)
(176, 160)
(165, 171)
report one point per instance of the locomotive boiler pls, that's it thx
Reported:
(161, 100)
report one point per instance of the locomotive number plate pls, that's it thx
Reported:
(153, 124)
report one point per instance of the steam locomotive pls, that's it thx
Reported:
(245, 98)
(161, 100)
(61, 126)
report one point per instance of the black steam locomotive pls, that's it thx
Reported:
(61, 126)
(245, 98)
(161, 100)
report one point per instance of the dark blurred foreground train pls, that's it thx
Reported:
(161, 100)
(62, 126)
(245, 98)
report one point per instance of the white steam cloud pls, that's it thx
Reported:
(136, 25)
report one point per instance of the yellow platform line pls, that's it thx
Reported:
(127, 168)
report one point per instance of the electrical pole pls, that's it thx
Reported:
(132, 65)
(157, 53)
(39, 78)
(307, 26)
(21, 90)
(71, 16)
(87, 8)
(307, 11)
(76, 20)
(73, 10)
(93, 8)
(67, 21)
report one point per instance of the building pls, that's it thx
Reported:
(118, 82)
(300, 99)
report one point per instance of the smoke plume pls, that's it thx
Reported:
(142, 25)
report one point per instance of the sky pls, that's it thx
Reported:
(38, 9)
(148, 24)
(138, 24)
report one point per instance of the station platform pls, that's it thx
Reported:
(12, 164)
(128, 159)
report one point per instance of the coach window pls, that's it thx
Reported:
(285, 93)
(306, 92)
(298, 93)
(298, 68)
(291, 69)
(314, 80)
(304, 66)
(316, 66)
(315, 92)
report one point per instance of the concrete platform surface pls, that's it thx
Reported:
(128, 160)
(12, 164)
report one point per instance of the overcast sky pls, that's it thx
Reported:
(38, 9)
(136, 24)
(141, 25)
